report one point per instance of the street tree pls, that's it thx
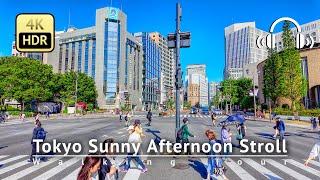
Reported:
(24, 80)
(294, 84)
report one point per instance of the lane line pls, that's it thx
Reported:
(302, 166)
(261, 169)
(239, 171)
(31, 169)
(73, 175)
(57, 169)
(287, 170)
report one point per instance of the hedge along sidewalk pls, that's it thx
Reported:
(294, 123)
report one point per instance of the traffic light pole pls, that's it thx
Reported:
(178, 66)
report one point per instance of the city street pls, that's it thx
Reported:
(15, 149)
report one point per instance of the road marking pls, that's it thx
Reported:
(287, 170)
(72, 175)
(302, 166)
(132, 174)
(261, 169)
(1, 157)
(238, 170)
(204, 162)
(31, 169)
(57, 169)
(13, 166)
(316, 163)
(12, 159)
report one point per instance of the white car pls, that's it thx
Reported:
(217, 111)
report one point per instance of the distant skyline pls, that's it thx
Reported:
(205, 20)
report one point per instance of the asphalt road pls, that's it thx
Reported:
(15, 148)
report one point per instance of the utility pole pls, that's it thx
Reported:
(254, 99)
(178, 66)
(76, 93)
(176, 41)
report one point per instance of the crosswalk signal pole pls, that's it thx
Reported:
(178, 66)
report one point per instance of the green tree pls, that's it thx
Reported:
(170, 104)
(24, 79)
(187, 105)
(229, 90)
(294, 84)
(66, 88)
(273, 81)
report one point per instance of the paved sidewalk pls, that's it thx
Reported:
(287, 122)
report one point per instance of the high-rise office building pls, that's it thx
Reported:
(167, 66)
(197, 85)
(213, 88)
(241, 48)
(242, 54)
(107, 53)
(151, 71)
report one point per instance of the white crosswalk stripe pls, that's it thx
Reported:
(287, 170)
(261, 169)
(316, 163)
(290, 168)
(302, 166)
(13, 166)
(72, 175)
(243, 174)
(31, 169)
(2, 157)
(12, 159)
(57, 169)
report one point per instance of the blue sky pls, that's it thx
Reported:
(206, 19)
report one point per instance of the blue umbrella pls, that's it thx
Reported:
(233, 119)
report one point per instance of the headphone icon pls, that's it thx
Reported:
(300, 38)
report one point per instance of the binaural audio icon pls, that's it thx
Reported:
(270, 42)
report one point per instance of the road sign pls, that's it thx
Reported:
(35, 32)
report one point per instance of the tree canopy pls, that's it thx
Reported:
(25, 80)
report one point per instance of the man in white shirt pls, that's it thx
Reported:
(315, 152)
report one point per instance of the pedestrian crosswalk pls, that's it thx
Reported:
(17, 167)
(183, 116)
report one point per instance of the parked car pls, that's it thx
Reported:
(217, 111)
(204, 111)
(193, 110)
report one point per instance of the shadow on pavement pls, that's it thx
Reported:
(199, 167)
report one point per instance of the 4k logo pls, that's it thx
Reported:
(35, 32)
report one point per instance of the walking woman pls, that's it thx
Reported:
(215, 167)
(135, 137)
(90, 166)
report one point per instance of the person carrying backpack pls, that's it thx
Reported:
(38, 133)
(149, 116)
(184, 133)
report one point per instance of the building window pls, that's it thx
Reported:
(86, 57)
(60, 59)
(79, 56)
(66, 58)
(72, 55)
(93, 59)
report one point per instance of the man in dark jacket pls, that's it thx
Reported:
(281, 128)
(35, 133)
(149, 116)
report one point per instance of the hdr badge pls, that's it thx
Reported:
(35, 32)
